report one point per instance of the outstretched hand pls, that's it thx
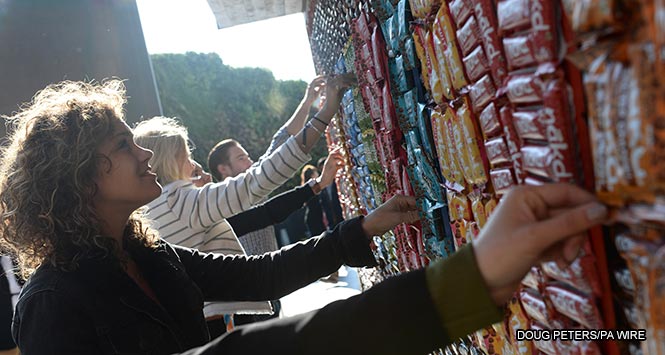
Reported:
(335, 87)
(315, 88)
(534, 224)
(399, 209)
(330, 167)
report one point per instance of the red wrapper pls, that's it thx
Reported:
(514, 143)
(390, 146)
(581, 274)
(535, 307)
(379, 53)
(373, 103)
(468, 37)
(497, 152)
(525, 89)
(487, 23)
(529, 49)
(533, 278)
(513, 14)
(489, 121)
(549, 123)
(502, 180)
(549, 162)
(460, 10)
(481, 93)
(362, 28)
(536, 15)
(394, 180)
(366, 55)
(578, 307)
(389, 113)
(476, 64)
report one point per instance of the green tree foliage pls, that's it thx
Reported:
(215, 101)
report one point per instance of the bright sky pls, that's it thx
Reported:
(279, 44)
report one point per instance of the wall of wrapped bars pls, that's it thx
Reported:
(459, 100)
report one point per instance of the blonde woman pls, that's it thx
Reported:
(205, 217)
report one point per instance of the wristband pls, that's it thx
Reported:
(312, 126)
(320, 120)
(315, 186)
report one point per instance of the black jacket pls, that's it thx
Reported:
(98, 309)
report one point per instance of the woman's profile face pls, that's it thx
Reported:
(124, 181)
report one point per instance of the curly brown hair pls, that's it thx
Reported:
(47, 177)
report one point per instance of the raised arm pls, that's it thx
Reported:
(214, 202)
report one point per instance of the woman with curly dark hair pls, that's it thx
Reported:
(102, 282)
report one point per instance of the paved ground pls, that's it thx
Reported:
(319, 293)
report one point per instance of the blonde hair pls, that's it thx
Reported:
(168, 140)
(48, 172)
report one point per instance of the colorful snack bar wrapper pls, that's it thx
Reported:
(529, 49)
(490, 206)
(445, 42)
(440, 83)
(481, 93)
(468, 36)
(516, 319)
(533, 279)
(535, 306)
(476, 65)
(534, 15)
(581, 274)
(489, 121)
(502, 180)
(497, 152)
(514, 143)
(467, 141)
(458, 206)
(523, 89)
(575, 305)
(425, 61)
(446, 150)
(460, 10)
(487, 23)
(421, 8)
(548, 162)
(478, 209)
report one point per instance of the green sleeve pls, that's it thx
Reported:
(460, 294)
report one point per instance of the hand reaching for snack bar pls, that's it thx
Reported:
(534, 224)
(334, 89)
(399, 209)
(315, 88)
(330, 168)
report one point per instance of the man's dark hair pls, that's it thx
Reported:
(219, 154)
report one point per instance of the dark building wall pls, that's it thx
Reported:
(47, 41)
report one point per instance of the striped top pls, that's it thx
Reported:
(196, 217)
